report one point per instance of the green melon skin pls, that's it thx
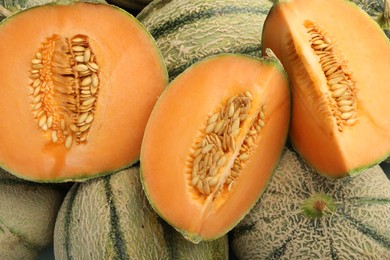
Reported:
(27, 216)
(110, 218)
(277, 229)
(9, 7)
(187, 31)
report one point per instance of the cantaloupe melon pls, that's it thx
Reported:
(213, 141)
(305, 215)
(110, 218)
(337, 59)
(27, 215)
(82, 79)
(186, 31)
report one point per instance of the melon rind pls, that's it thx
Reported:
(359, 229)
(27, 216)
(110, 217)
(187, 31)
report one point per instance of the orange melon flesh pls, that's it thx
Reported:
(178, 117)
(366, 51)
(132, 76)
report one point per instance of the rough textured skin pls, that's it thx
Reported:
(27, 215)
(276, 229)
(188, 30)
(110, 218)
(14, 6)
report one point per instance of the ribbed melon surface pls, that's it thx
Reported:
(27, 215)
(188, 30)
(277, 229)
(110, 218)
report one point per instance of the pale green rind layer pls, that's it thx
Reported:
(110, 217)
(82, 176)
(267, 59)
(276, 228)
(350, 173)
(186, 31)
(27, 215)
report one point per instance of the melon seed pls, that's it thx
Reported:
(36, 83)
(339, 92)
(195, 180)
(68, 141)
(218, 144)
(59, 71)
(346, 115)
(79, 58)
(82, 117)
(54, 137)
(341, 85)
(345, 103)
(345, 108)
(86, 81)
(80, 67)
(213, 181)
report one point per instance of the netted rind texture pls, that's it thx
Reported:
(110, 218)
(187, 31)
(277, 229)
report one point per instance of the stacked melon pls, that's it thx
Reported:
(89, 98)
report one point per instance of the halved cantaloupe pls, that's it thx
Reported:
(78, 84)
(213, 141)
(338, 61)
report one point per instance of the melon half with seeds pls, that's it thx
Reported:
(213, 141)
(76, 90)
(338, 61)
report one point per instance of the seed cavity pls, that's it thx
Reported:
(64, 88)
(342, 95)
(217, 146)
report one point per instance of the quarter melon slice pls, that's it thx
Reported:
(338, 60)
(213, 141)
(79, 82)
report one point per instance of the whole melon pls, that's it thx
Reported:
(110, 218)
(186, 31)
(303, 214)
(27, 215)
